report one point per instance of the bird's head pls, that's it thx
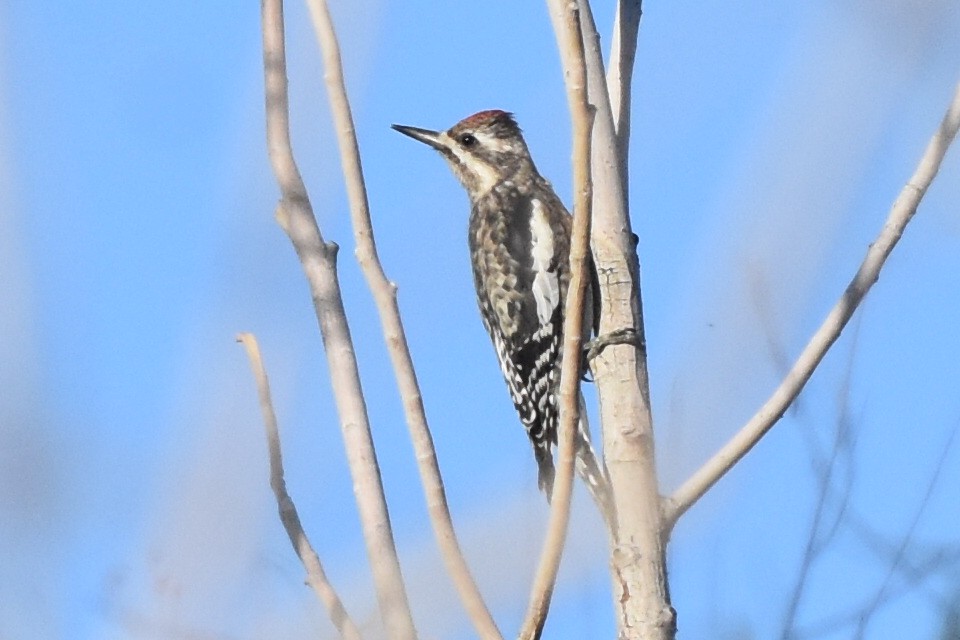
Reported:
(483, 150)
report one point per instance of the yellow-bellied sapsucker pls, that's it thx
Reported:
(519, 237)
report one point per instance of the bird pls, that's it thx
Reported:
(519, 241)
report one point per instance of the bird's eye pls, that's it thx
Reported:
(467, 140)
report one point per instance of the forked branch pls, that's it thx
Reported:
(316, 576)
(773, 409)
(623, 53)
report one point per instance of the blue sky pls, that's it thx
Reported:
(136, 239)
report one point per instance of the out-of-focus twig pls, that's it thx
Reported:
(316, 576)
(898, 556)
(773, 409)
(566, 19)
(318, 258)
(385, 295)
(827, 469)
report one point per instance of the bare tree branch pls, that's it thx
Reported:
(385, 296)
(316, 577)
(900, 215)
(566, 17)
(318, 258)
(640, 595)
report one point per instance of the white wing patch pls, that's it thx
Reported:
(546, 285)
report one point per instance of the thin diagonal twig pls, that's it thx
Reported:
(773, 409)
(898, 555)
(826, 467)
(316, 576)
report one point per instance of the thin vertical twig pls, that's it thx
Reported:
(318, 258)
(385, 295)
(316, 576)
(901, 213)
(567, 25)
(623, 54)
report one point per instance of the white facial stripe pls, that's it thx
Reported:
(488, 141)
(486, 174)
(546, 285)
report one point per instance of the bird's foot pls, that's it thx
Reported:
(594, 347)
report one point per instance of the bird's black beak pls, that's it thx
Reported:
(425, 136)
